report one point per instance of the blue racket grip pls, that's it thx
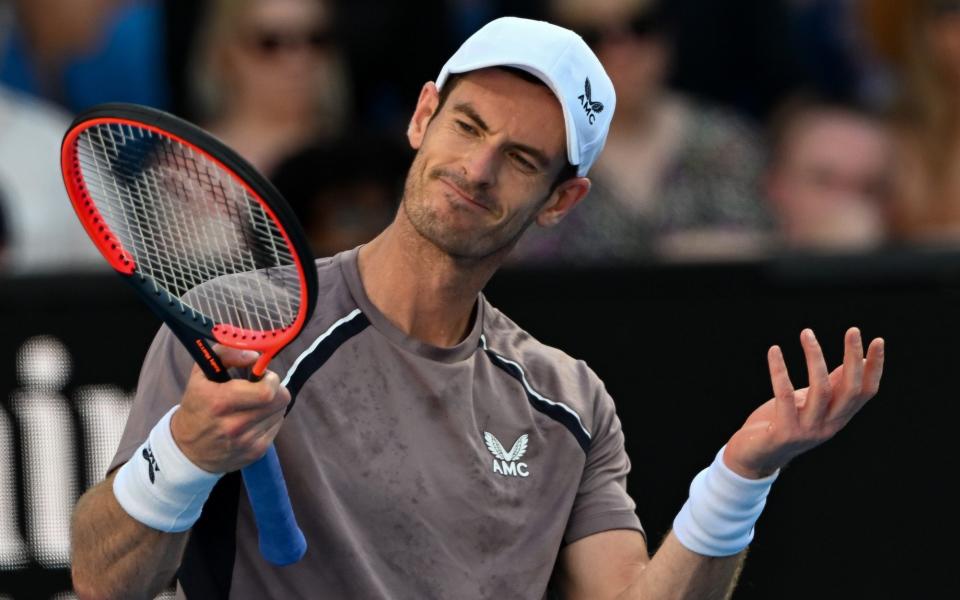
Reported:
(281, 541)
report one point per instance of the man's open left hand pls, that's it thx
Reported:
(794, 421)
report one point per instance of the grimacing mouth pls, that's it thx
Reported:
(460, 192)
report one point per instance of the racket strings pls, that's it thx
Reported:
(191, 226)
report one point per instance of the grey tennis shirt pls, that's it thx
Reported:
(415, 471)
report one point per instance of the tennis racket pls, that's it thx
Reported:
(209, 245)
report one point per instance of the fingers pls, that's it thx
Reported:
(264, 391)
(235, 358)
(873, 367)
(820, 393)
(254, 429)
(223, 427)
(851, 381)
(859, 379)
(229, 358)
(269, 433)
(258, 438)
(797, 420)
(786, 407)
(250, 401)
(266, 396)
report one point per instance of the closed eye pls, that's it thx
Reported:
(466, 128)
(524, 164)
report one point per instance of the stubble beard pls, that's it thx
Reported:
(466, 246)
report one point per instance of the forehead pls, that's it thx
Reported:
(840, 139)
(287, 12)
(525, 111)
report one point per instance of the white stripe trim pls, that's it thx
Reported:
(530, 390)
(316, 343)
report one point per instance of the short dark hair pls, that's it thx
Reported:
(568, 171)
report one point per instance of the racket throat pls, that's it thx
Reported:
(184, 322)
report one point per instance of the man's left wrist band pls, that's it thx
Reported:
(719, 515)
(159, 486)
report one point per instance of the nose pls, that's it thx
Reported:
(480, 166)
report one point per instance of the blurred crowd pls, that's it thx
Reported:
(743, 130)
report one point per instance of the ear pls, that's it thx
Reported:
(426, 105)
(567, 195)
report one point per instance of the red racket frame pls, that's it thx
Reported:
(267, 342)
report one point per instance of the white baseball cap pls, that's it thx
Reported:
(562, 60)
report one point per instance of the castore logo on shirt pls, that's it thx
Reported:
(507, 463)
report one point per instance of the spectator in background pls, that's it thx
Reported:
(346, 192)
(828, 182)
(921, 40)
(677, 179)
(83, 52)
(43, 233)
(268, 77)
(387, 82)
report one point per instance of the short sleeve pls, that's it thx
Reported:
(163, 378)
(602, 502)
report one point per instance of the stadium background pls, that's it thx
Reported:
(681, 346)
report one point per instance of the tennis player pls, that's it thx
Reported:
(435, 449)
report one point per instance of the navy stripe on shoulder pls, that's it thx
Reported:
(558, 411)
(321, 350)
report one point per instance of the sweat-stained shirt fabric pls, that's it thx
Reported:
(414, 471)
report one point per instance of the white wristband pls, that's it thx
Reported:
(719, 515)
(159, 486)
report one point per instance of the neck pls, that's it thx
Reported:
(421, 289)
(261, 139)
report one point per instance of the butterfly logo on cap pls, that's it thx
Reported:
(591, 107)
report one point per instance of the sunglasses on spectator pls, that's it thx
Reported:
(270, 42)
(651, 23)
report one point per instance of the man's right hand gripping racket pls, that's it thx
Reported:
(209, 245)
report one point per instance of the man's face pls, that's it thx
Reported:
(485, 163)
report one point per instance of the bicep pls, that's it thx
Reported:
(602, 565)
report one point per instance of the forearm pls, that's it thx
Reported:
(701, 557)
(676, 573)
(116, 556)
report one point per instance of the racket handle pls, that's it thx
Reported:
(281, 541)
